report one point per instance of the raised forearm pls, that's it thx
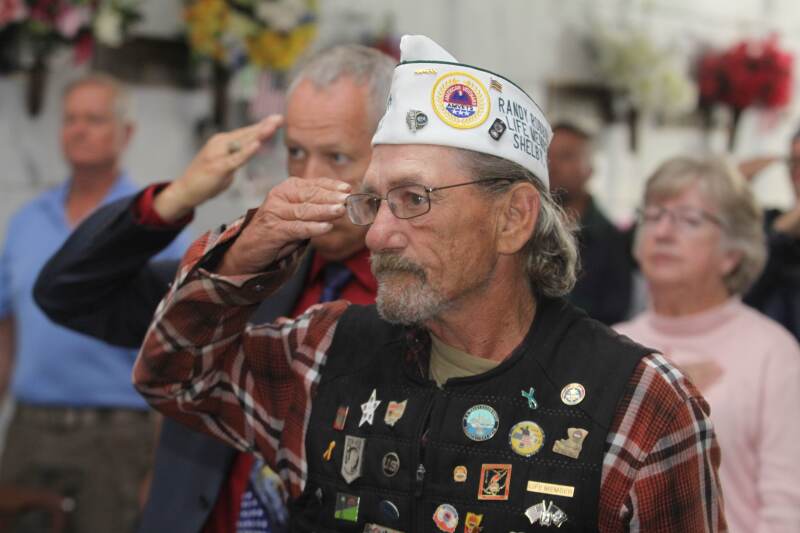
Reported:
(100, 283)
(202, 364)
(195, 314)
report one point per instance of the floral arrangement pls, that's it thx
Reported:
(269, 34)
(30, 30)
(652, 78)
(46, 24)
(750, 73)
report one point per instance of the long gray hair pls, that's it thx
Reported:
(551, 255)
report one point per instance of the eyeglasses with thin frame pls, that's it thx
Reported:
(405, 201)
(686, 218)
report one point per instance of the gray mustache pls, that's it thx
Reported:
(383, 263)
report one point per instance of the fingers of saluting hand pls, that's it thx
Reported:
(233, 142)
(237, 146)
(315, 190)
(300, 208)
(308, 212)
(236, 158)
(260, 131)
(268, 126)
(309, 199)
(294, 210)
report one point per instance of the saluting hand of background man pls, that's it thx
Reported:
(212, 169)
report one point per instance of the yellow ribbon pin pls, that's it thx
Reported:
(329, 451)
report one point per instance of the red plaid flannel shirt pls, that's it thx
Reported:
(251, 386)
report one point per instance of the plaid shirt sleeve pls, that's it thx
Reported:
(660, 467)
(204, 365)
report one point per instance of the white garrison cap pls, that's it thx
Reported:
(434, 99)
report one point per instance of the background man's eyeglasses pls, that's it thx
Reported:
(406, 201)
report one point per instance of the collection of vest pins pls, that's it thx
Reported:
(480, 423)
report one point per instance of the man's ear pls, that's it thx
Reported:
(517, 219)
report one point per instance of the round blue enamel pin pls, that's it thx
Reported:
(481, 422)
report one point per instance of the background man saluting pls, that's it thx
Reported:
(99, 283)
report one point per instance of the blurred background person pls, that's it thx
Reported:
(776, 293)
(79, 427)
(100, 281)
(700, 244)
(603, 288)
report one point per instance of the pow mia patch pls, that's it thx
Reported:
(352, 458)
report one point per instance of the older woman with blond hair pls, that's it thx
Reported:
(700, 244)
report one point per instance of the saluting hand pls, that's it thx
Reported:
(295, 210)
(212, 169)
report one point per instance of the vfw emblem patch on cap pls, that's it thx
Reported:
(460, 100)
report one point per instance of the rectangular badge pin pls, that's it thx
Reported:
(495, 482)
(551, 488)
(347, 507)
(341, 417)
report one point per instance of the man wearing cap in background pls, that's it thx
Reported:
(603, 287)
(472, 394)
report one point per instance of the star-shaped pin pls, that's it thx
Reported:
(532, 403)
(368, 409)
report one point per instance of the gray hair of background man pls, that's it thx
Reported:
(741, 218)
(551, 254)
(366, 66)
(123, 106)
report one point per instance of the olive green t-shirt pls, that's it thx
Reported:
(448, 362)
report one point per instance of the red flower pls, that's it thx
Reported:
(755, 73)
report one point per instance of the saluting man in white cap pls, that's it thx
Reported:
(472, 396)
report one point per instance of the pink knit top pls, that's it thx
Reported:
(748, 368)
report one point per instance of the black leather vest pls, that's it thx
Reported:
(443, 472)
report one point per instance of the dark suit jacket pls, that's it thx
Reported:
(604, 284)
(776, 292)
(101, 284)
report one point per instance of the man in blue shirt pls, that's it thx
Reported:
(79, 426)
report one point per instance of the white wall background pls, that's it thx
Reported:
(532, 41)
